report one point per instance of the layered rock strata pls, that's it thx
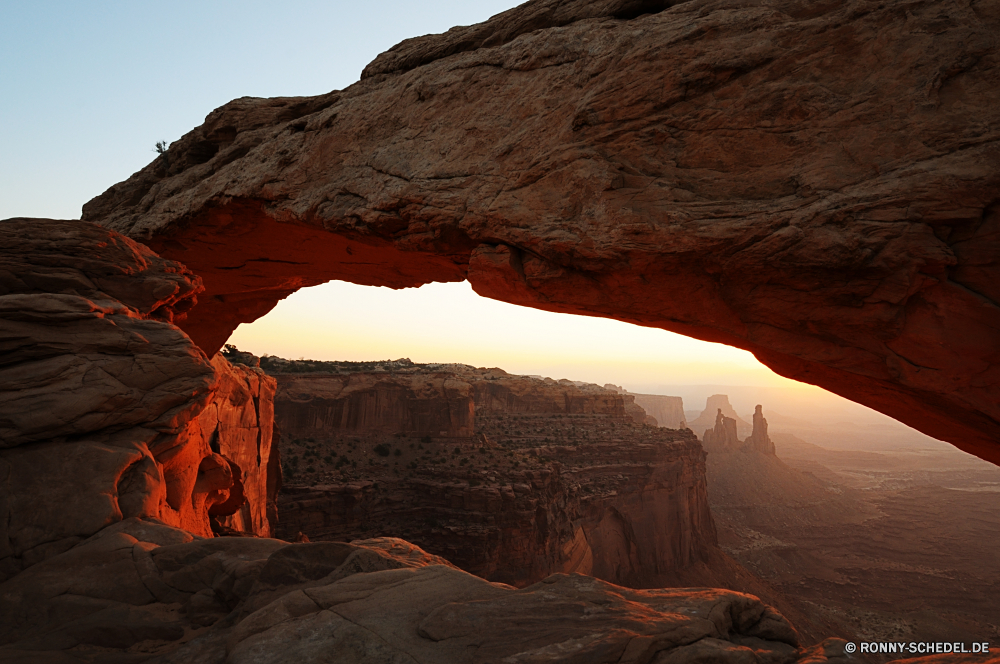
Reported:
(107, 409)
(140, 591)
(559, 477)
(426, 404)
(239, 423)
(814, 183)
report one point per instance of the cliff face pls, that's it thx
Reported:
(426, 404)
(239, 424)
(496, 391)
(647, 516)
(559, 477)
(107, 409)
(668, 411)
(513, 529)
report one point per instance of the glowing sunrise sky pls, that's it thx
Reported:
(88, 88)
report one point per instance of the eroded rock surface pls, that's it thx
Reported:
(816, 183)
(559, 476)
(107, 409)
(142, 591)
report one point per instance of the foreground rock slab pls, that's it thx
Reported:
(816, 183)
(142, 591)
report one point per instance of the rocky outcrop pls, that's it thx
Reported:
(497, 392)
(239, 424)
(723, 436)
(759, 441)
(638, 413)
(715, 404)
(815, 184)
(660, 410)
(425, 404)
(438, 400)
(142, 591)
(107, 409)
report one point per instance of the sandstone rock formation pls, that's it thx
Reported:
(714, 404)
(142, 591)
(723, 436)
(814, 183)
(316, 398)
(108, 410)
(238, 423)
(759, 440)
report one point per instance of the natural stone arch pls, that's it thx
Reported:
(815, 184)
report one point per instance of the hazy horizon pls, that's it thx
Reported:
(448, 323)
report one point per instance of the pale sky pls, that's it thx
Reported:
(450, 323)
(87, 89)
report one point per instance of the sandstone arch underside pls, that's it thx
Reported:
(818, 183)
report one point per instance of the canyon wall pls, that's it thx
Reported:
(722, 438)
(627, 513)
(559, 476)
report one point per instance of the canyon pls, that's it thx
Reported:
(888, 543)
(815, 184)
(516, 478)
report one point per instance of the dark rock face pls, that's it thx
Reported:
(816, 184)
